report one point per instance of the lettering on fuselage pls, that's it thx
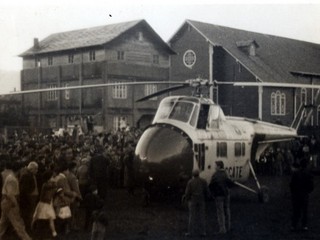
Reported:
(234, 172)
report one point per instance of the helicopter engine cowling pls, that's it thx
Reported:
(165, 158)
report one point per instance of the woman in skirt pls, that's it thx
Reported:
(44, 212)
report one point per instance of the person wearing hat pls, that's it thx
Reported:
(196, 193)
(219, 189)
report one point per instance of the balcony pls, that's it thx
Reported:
(93, 70)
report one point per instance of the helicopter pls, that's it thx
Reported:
(192, 132)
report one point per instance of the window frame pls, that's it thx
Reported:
(50, 60)
(150, 89)
(120, 55)
(120, 91)
(239, 149)
(71, 58)
(52, 95)
(156, 59)
(222, 149)
(92, 55)
(278, 103)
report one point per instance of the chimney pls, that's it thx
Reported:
(36, 43)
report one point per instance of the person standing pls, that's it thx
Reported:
(29, 193)
(219, 188)
(301, 186)
(196, 193)
(44, 211)
(98, 171)
(10, 211)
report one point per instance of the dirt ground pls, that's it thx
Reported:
(165, 219)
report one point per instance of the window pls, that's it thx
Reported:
(119, 122)
(140, 36)
(155, 59)
(239, 67)
(120, 55)
(92, 55)
(70, 58)
(150, 89)
(303, 96)
(199, 153)
(66, 92)
(50, 61)
(278, 103)
(221, 149)
(182, 111)
(119, 91)
(189, 58)
(52, 95)
(239, 149)
(37, 62)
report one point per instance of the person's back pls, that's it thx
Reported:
(196, 189)
(220, 183)
(98, 167)
(301, 183)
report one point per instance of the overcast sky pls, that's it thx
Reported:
(21, 22)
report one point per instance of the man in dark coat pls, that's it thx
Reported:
(98, 171)
(219, 188)
(29, 193)
(196, 193)
(301, 186)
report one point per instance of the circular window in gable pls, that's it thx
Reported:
(189, 58)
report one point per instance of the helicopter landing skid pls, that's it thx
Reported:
(262, 192)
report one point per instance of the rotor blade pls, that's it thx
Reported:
(169, 89)
(281, 85)
(88, 86)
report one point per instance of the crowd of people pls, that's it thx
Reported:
(278, 159)
(49, 180)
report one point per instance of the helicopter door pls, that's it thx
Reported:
(199, 153)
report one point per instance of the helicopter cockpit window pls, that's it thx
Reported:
(164, 109)
(182, 111)
(203, 116)
(215, 116)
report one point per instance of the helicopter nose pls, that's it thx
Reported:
(165, 153)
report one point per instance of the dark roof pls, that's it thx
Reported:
(276, 57)
(89, 37)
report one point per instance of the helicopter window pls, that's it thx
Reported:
(215, 115)
(164, 109)
(203, 116)
(221, 149)
(199, 152)
(239, 149)
(182, 111)
(194, 116)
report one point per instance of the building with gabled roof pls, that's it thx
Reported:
(232, 55)
(122, 52)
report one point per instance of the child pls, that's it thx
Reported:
(44, 211)
(63, 212)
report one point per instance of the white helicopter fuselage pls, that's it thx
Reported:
(214, 137)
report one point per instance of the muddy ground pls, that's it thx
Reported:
(165, 219)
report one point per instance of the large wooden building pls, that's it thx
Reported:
(124, 52)
(231, 55)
